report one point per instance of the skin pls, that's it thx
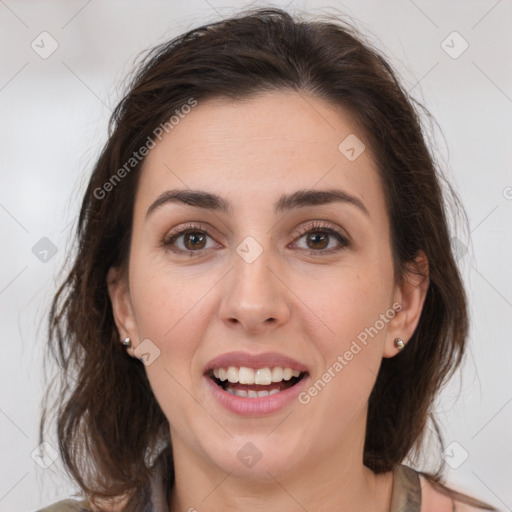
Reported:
(196, 308)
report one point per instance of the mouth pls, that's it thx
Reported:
(255, 385)
(250, 383)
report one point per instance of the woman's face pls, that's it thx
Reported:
(271, 275)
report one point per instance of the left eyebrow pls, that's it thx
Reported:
(299, 199)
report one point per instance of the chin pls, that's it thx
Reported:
(260, 458)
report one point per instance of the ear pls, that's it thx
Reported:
(122, 308)
(411, 296)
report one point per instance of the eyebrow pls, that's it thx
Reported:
(214, 202)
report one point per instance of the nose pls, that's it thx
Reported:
(255, 296)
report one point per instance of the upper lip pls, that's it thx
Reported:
(255, 361)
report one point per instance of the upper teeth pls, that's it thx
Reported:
(263, 376)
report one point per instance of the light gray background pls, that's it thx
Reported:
(53, 123)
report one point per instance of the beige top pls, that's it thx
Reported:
(405, 497)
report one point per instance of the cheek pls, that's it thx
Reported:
(170, 312)
(354, 306)
(351, 358)
(165, 299)
(352, 301)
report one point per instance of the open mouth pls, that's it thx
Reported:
(242, 383)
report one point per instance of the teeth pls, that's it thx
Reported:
(261, 376)
(232, 374)
(250, 393)
(246, 375)
(277, 374)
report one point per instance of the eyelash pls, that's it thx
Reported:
(314, 227)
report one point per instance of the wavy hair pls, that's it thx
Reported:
(109, 424)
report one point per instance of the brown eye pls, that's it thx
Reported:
(190, 240)
(194, 240)
(315, 240)
(318, 237)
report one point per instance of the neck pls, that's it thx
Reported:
(334, 480)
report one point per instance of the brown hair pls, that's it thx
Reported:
(109, 423)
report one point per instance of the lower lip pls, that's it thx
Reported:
(256, 406)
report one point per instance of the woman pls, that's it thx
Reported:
(264, 304)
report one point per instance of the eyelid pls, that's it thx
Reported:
(321, 225)
(199, 226)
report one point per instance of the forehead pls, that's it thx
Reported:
(261, 147)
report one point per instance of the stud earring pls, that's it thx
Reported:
(399, 343)
(127, 342)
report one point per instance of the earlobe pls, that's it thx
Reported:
(121, 304)
(411, 296)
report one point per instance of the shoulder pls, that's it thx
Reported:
(439, 498)
(67, 506)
